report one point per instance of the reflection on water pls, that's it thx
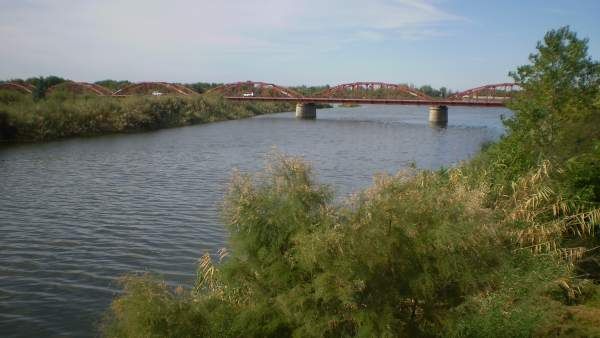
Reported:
(76, 214)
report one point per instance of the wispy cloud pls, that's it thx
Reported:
(224, 24)
(61, 32)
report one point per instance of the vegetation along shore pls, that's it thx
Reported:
(505, 245)
(61, 115)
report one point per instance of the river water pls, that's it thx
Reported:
(77, 214)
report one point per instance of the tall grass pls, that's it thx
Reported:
(61, 115)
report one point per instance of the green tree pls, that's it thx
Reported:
(39, 92)
(561, 90)
(554, 112)
(443, 92)
(42, 84)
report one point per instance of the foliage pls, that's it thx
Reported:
(113, 85)
(11, 96)
(48, 80)
(202, 87)
(548, 164)
(310, 90)
(562, 85)
(441, 92)
(554, 112)
(41, 85)
(529, 299)
(63, 115)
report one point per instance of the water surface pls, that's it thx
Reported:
(77, 214)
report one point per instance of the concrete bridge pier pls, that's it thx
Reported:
(306, 111)
(438, 115)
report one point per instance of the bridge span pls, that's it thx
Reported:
(406, 102)
(494, 95)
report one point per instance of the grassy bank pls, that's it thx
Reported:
(506, 245)
(61, 115)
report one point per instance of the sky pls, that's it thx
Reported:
(459, 44)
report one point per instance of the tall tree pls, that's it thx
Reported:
(561, 87)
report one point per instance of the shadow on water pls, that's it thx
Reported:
(438, 125)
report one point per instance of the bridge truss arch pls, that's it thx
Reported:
(80, 88)
(373, 90)
(24, 87)
(150, 88)
(254, 89)
(498, 92)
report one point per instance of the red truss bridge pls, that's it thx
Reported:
(493, 95)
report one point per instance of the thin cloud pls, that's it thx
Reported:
(145, 32)
(235, 24)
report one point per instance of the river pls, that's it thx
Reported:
(77, 214)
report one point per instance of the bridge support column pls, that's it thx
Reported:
(438, 115)
(306, 111)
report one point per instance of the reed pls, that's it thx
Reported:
(61, 115)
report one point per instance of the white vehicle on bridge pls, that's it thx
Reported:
(156, 93)
(251, 94)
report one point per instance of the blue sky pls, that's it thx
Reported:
(455, 43)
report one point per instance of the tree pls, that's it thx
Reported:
(561, 87)
(42, 84)
(39, 92)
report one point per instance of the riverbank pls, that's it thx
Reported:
(62, 116)
(505, 245)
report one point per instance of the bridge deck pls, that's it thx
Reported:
(407, 102)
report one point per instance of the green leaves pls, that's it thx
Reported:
(391, 261)
(560, 88)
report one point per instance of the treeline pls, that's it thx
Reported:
(505, 245)
(433, 92)
(42, 83)
(34, 81)
(113, 85)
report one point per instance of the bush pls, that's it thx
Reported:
(392, 261)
